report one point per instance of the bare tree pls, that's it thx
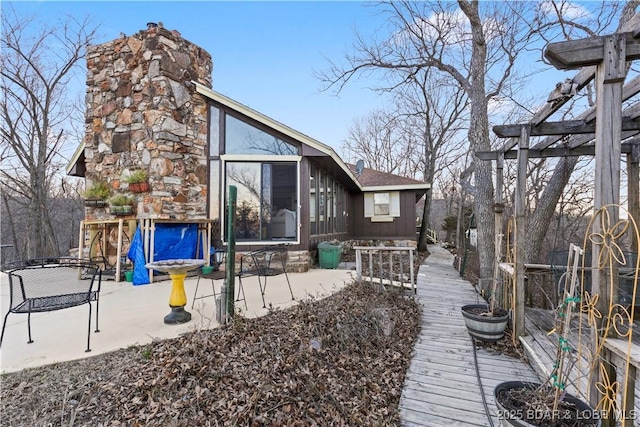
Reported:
(436, 113)
(477, 48)
(477, 44)
(417, 137)
(378, 140)
(554, 189)
(38, 63)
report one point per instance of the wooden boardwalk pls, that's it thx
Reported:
(441, 387)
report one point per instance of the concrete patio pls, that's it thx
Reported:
(133, 315)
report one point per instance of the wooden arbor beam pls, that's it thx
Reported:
(560, 128)
(580, 80)
(582, 150)
(574, 54)
(633, 190)
(630, 89)
(520, 212)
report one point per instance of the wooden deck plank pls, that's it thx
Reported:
(441, 387)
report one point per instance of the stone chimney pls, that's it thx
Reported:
(143, 113)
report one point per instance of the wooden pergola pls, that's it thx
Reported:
(606, 131)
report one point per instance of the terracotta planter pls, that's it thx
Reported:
(139, 187)
(485, 328)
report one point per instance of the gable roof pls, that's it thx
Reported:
(371, 181)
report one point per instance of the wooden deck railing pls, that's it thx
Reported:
(386, 265)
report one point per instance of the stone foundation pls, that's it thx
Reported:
(299, 261)
(349, 244)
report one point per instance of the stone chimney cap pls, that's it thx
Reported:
(151, 25)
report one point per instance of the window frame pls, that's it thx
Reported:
(394, 206)
(261, 160)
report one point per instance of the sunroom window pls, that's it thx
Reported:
(242, 138)
(266, 207)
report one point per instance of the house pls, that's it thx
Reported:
(151, 106)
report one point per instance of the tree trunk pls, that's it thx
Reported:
(479, 140)
(540, 219)
(422, 238)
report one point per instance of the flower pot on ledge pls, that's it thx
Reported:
(139, 187)
(95, 203)
(121, 210)
(138, 181)
(121, 204)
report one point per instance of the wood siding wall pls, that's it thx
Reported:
(403, 227)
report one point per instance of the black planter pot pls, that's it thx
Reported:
(517, 417)
(95, 203)
(485, 328)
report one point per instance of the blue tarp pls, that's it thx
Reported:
(171, 241)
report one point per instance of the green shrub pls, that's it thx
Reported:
(120, 200)
(99, 190)
(137, 176)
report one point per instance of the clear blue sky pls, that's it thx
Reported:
(264, 53)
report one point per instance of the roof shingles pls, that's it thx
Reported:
(374, 178)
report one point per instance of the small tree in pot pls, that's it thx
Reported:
(97, 194)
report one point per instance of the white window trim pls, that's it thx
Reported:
(382, 218)
(259, 158)
(394, 206)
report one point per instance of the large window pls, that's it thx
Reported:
(242, 138)
(264, 168)
(266, 208)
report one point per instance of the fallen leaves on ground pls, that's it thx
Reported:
(505, 345)
(336, 361)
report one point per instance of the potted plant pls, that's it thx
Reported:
(96, 195)
(526, 404)
(548, 404)
(138, 181)
(121, 205)
(486, 322)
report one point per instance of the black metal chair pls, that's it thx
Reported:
(213, 276)
(50, 284)
(217, 260)
(263, 263)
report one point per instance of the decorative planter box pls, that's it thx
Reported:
(95, 203)
(121, 210)
(483, 326)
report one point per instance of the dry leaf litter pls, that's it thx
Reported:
(335, 361)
